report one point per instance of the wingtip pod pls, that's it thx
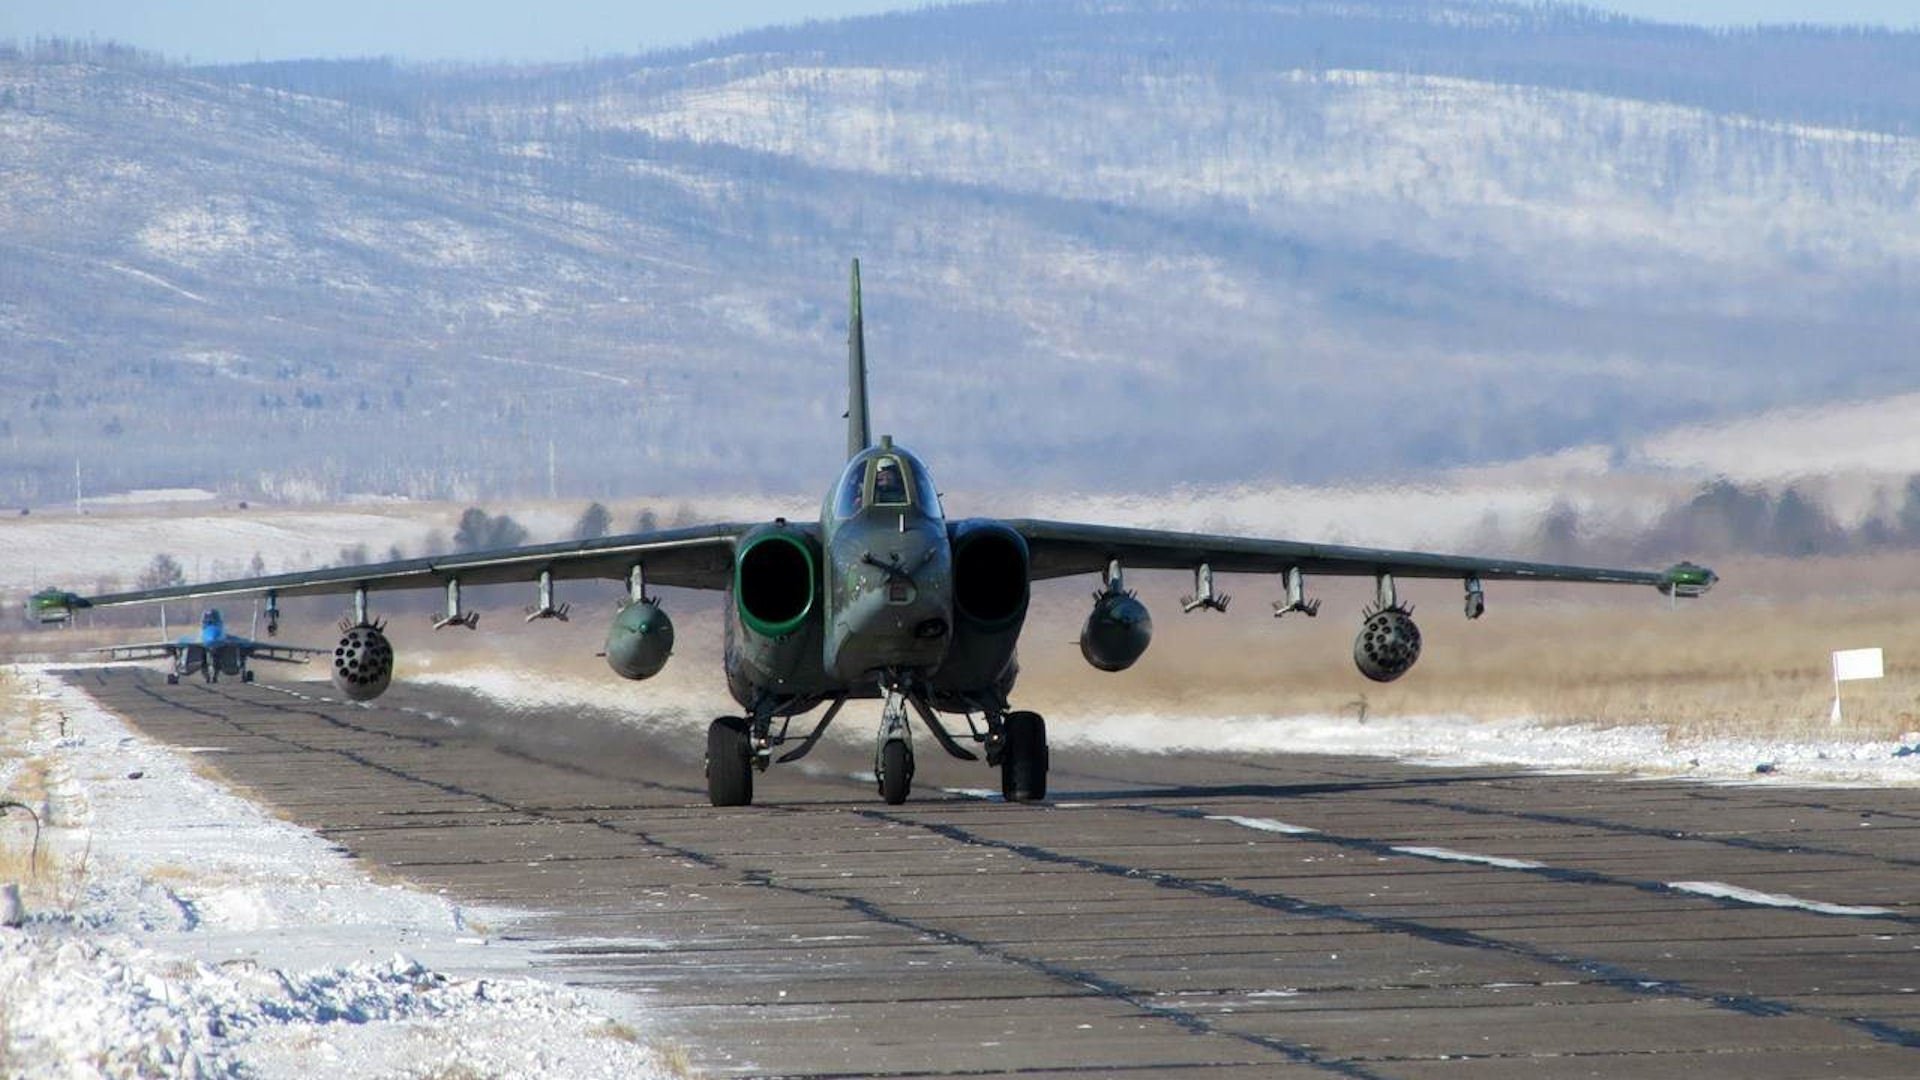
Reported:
(1687, 581)
(54, 606)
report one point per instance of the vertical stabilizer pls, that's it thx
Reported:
(859, 436)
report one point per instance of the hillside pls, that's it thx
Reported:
(1107, 246)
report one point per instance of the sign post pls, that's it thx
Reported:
(1849, 664)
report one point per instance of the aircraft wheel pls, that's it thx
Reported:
(729, 763)
(896, 772)
(173, 679)
(246, 676)
(1023, 765)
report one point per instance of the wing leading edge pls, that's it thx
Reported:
(1061, 549)
(285, 654)
(700, 557)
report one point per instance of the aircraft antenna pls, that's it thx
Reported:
(859, 436)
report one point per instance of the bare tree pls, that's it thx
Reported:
(163, 572)
(595, 521)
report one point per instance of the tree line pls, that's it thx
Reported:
(1727, 518)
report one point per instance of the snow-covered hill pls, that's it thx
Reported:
(1108, 247)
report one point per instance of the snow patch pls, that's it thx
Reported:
(204, 938)
(983, 794)
(1721, 890)
(1263, 824)
(1449, 855)
(1644, 751)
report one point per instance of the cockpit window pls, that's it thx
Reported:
(210, 618)
(892, 480)
(889, 483)
(852, 497)
(924, 494)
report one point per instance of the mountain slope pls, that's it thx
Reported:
(1111, 245)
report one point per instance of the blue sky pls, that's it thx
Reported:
(239, 30)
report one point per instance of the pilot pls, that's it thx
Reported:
(888, 487)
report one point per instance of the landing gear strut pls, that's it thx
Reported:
(1014, 742)
(893, 754)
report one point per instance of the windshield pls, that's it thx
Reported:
(891, 478)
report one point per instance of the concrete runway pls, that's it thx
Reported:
(1163, 916)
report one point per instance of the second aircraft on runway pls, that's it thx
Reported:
(884, 597)
(212, 652)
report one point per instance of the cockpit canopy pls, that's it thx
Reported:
(886, 477)
(211, 617)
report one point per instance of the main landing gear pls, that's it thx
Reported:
(1023, 757)
(729, 762)
(1015, 743)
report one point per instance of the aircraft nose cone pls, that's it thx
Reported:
(892, 604)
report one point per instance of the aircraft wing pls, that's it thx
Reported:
(700, 557)
(146, 650)
(1061, 549)
(285, 654)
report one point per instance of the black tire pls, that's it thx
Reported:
(246, 676)
(729, 763)
(173, 679)
(896, 772)
(1023, 764)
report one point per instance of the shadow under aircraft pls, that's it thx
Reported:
(884, 597)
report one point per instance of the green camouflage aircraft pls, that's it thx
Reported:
(883, 597)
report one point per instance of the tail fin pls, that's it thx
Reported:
(859, 437)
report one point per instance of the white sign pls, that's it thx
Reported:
(1850, 664)
(1857, 664)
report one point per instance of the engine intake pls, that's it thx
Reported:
(990, 575)
(363, 663)
(639, 641)
(1388, 644)
(1117, 632)
(775, 578)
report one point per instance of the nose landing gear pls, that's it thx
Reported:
(893, 753)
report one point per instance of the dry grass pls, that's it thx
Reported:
(458, 1070)
(18, 865)
(675, 1060)
(172, 872)
(1750, 660)
(615, 1030)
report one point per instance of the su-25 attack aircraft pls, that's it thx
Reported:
(212, 652)
(884, 598)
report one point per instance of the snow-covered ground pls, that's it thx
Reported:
(1642, 751)
(175, 929)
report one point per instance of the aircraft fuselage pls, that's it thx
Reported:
(882, 609)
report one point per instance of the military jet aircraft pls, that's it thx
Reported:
(212, 652)
(885, 597)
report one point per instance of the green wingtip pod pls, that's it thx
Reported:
(1687, 581)
(54, 606)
